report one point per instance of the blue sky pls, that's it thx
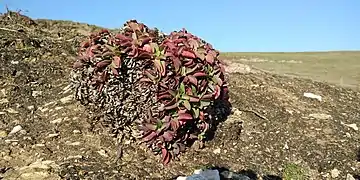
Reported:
(230, 25)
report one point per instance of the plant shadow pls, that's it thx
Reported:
(226, 174)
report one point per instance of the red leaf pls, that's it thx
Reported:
(190, 62)
(85, 44)
(207, 97)
(201, 116)
(165, 156)
(192, 79)
(117, 61)
(147, 48)
(217, 91)
(78, 64)
(150, 136)
(164, 96)
(200, 74)
(122, 37)
(185, 116)
(210, 58)
(145, 41)
(177, 63)
(174, 124)
(102, 64)
(188, 54)
(168, 136)
(194, 99)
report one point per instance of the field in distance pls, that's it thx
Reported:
(337, 67)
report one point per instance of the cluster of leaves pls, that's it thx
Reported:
(188, 76)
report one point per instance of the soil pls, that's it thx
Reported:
(272, 124)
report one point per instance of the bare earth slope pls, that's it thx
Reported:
(273, 126)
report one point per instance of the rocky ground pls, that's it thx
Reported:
(274, 132)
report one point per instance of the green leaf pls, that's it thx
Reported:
(204, 104)
(185, 97)
(182, 89)
(187, 105)
(193, 90)
(196, 112)
(159, 124)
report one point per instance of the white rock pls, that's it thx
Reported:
(354, 126)
(350, 177)
(217, 151)
(16, 129)
(335, 173)
(4, 100)
(12, 111)
(36, 93)
(320, 116)
(102, 153)
(313, 96)
(76, 131)
(286, 147)
(53, 135)
(66, 99)
(56, 121)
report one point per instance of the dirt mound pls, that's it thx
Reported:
(274, 129)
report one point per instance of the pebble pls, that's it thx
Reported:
(53, 135)
(3, 134)
(76, 131)
(217, 151)
(58, 108)
(56, 121)
(15, 130)
(12, 111)
(75, 144)
(102, 153)
(335, 173)
(353, 126)
(3, 101)
(350, 177)
(66, 99)
(36, 93)
(320, 116)
(313, 96)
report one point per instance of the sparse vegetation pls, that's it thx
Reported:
(294, 172)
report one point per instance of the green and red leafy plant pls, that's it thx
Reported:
(182, 74)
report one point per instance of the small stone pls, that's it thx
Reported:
(31, 107)
(3, 101)
(350, 177)
(313, 96)
(56, 121)
(12, 111)
(58, 108)
(320, 116)
(335, 173)
(15, 130)
(66, 99)
(76, 131)
(3, 134)
(102, 153)
(286, 147)
(53, 135)
(75, 144)
(36, 93)
(353, 126)
(348, 135)
(217, 151)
